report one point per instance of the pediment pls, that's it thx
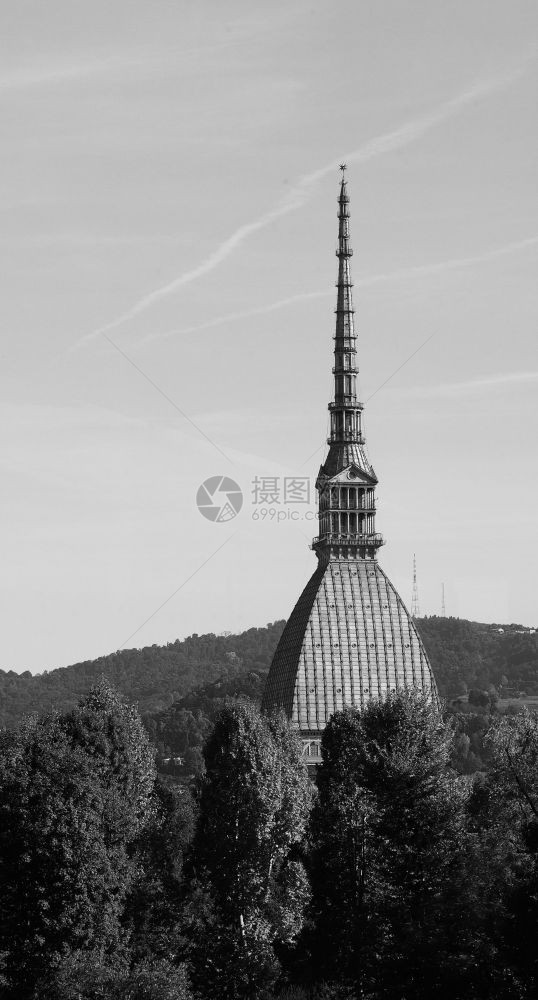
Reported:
(352, 475)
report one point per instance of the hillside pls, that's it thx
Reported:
(192, 673)
(153, 677)
(468, 655)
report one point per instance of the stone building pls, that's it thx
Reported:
(349, 638)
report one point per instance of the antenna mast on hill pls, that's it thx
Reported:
(415, 607)
(443, 609)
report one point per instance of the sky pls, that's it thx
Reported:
(168, 198)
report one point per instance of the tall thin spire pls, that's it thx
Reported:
(346, 481)
(415, 607)
(345, 341)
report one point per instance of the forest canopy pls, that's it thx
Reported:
(386, 875)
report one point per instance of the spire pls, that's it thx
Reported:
(345, 426)
(346, 481)
(415, 607)
(344, 305)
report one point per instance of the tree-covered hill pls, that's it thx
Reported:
(180, 730)
(467, 655)
(189, 675)
(153, 677)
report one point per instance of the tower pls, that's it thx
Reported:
(349, 638)
(415, 606)
(443, 608)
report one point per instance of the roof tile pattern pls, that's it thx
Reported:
(349, 639)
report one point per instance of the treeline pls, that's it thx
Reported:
(467, 655)
(478, 670)
(153, 677)
(393, 877)
(463, 654)
(179, 732)
(179, 688)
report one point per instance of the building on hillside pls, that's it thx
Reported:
(349, 638)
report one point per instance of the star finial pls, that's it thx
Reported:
(343, 166)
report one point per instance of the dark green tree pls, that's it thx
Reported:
(248, 890)
(55, 873)
(155, 903)
(388, 859)
(75, 793)
(110, 731)
(506, 815)
(84, 976)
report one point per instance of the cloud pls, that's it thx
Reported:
(23, 78)
(99, 63)
(235, 316)
(477, 385)
(417, 271)
(455, 263)
(387, 142)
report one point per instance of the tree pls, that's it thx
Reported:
(248, 891)
(388, 832)
(54, 870)
(507, 817)
(84, 976)
(479, 698)
(75, 792)
(155, 902)
(156, 980)
(111, 733)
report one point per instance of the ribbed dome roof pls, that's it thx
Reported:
(349, 639)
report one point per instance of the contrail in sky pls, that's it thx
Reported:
(476, 384)
(386, 142)
(420, 270)
(232, 317)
